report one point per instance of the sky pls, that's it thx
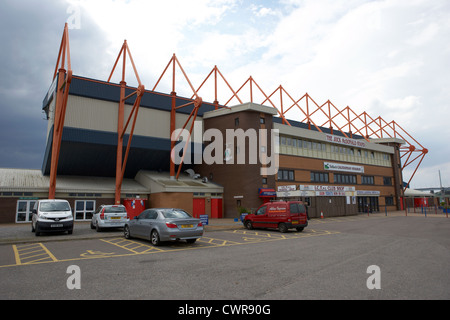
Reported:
(389, 58)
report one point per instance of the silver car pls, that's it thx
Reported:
(109, 216)
(164, 224)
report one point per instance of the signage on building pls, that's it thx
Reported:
(346, 141)
(265, 192)
(343, 167)
(291, 187)
(295, 193)
(330, 194)
(328, 191)
(372, 193)
(326, 188)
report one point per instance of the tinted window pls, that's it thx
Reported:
(114, 209)
(297, 208)
(170, 214)
(301, 208)
(144, 214)
(152, 214)
(261, 210)
(294, 208)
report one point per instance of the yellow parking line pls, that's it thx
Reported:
(261, 234)
(217, 242)
(130, 242)
(48, 252)
(16, 255)
(23, 255)
(27, 254)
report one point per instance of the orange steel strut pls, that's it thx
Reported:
(345, 120)
(121, 160)
(62, 94)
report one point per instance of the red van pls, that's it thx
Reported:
(281, 215)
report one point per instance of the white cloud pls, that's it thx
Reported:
(261, 11)
(389, 58)
(154, 30)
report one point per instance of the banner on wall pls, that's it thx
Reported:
(342, 167)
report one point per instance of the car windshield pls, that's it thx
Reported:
(55, 206)
(170, 214)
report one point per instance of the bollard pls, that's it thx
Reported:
(385, 210)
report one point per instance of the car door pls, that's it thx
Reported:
(96, 215)
(137, 228)
(294, 211)
(260, 218)
(148, 223)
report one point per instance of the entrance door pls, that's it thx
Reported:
(362, 204)
(374, 204)
(84, 209)
(216, 208)
(198, 207)
(23, 212)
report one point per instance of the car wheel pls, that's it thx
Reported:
(70, 231)
(36, 231)
(154, 238)
(248, 225)
(98, 228)
(92, 225)
(32, 227)
(282, 227)
(126, 232)
(300, 229)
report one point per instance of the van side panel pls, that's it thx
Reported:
(277, 213)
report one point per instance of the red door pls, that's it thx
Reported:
(198, 207)
(260, 217)
(216, 208)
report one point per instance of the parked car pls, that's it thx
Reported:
(51, 215)
(109, 216)
(164, 224)
(282, 215)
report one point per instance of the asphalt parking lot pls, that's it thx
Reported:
(328, 260)
(21, 233)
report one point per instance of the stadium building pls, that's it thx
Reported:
(112, 143)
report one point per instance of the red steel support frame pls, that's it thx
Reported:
(362, 124)
(62, 94)
(121, 160)
(197, 104)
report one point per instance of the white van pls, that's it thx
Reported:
(52, 216)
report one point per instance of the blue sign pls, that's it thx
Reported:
(265, 192)
(204, 219)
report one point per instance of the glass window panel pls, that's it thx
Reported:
(291, 175)
(79, 205)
